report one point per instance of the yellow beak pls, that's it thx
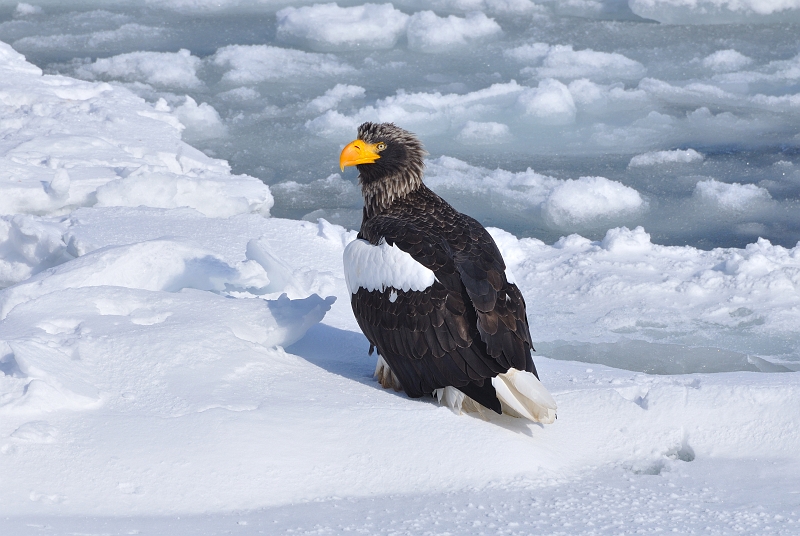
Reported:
(358, 152)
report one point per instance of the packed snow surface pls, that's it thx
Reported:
(174, 360)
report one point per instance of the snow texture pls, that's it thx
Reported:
(330, 27)
(428, 32)
(172, 360)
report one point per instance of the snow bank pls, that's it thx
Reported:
(139, 373)
(660, 309)
(117, 285)
(83, 146)
(330, 27)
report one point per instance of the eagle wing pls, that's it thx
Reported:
(467, 326)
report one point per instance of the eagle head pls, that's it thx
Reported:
(385, 153)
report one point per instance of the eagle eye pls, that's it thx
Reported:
(380, 146)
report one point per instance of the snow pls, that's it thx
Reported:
(330, 27)
(556, 203)
(568, 89)
(95, 154)
(731, 196)
(726, 60)
(676, 156)
(428, 32)
(561, 61)
(715, 11)
(256, 63)
(175, 359)
(171, 69)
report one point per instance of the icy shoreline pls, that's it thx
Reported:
(149, 365)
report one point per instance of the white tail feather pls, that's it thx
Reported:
(523, 394)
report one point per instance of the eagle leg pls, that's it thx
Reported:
(385, 376)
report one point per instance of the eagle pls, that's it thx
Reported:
(430, 290)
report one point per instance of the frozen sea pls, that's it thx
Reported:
(177, 350)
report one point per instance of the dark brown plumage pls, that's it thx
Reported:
(467, 327)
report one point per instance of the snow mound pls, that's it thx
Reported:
(84, 146)
(330, 27)
(116, 289)
(169, 346)
(164, 265)
(675, 310)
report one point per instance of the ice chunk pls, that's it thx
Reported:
(84, 146)
(25, 10)
(733, 196)
(334, 96)
(330, 27)
(726, 60)
(170, 69)
(654, 158)
(550, 102)
(561, 61)
(588, 202)
(249, 64)
(429, 33)
(484, 133)
(716, 11)
(588, 198)
(622, 240)
(201, 121)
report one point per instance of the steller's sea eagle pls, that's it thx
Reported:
(430, 291)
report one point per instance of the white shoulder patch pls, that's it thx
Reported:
(378, 267)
